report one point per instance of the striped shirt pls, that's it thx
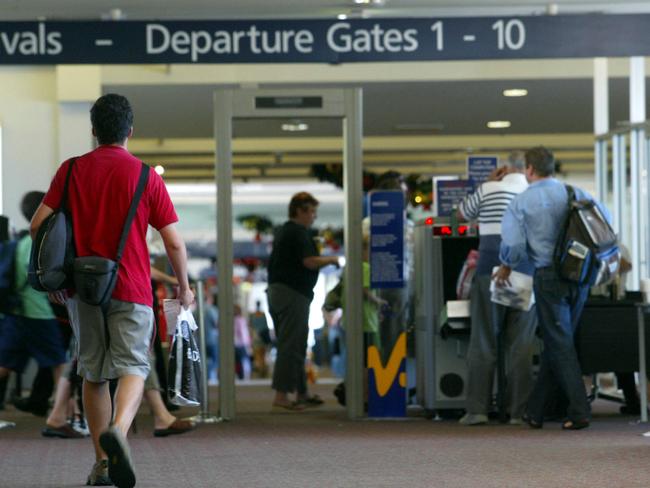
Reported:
(488, 204)
(490, 201)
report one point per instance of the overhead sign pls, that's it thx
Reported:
(479, 168)
(324, 41)
(387, 217)
(449, 193)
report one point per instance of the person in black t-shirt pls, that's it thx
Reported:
(293, 272)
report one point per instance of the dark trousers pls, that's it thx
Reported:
(518, 330)
(559, 305)
(290, 313)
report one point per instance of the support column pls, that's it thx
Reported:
(601, 126)
(77, 88)
(619, 184)
(637, 178)
(353, 186)
(223, 113)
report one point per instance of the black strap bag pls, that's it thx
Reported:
(94, 276)
(53, 253)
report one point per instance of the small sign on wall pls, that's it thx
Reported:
(480, 167)
(448, 193)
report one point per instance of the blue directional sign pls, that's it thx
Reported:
(324, 40)
(449, 193)
(480, 167)
(387, 239)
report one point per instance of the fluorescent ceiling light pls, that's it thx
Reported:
(295, 126)
(498, 124)
(159, 169)
(515, 92)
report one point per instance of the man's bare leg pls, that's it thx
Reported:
(127, 401)
(59, 413)
(97, 406)
(161, 416)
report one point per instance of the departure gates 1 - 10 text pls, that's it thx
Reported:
(341, 38)
(320, 40)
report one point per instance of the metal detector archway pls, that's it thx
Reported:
(231, 103)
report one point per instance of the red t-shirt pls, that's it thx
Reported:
(102, 185)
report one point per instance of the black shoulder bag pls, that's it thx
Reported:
(95, 276)
(53, 253)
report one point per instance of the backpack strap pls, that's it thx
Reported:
(64, 197)
(139, 190)
(571, 193)
(558, 250)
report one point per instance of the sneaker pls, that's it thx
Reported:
(79, 425)
(473, 419)
(5, 424)
(99, 474)
(516, 421)
(120, 467)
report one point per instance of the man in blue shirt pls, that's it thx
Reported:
(530, 228)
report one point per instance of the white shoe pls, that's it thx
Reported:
(473, 419)
(79, 425)
(5, 424)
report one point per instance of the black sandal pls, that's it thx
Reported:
(575, 424)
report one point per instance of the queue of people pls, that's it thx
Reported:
(520, 210)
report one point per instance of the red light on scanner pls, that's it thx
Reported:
(446, 230)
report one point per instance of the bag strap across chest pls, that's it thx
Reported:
(139, 190)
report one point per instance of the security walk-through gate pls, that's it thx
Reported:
(231, 103)
(628, 187)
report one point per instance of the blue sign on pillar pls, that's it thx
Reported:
(480, 167)
(387, 382)
(387, 239)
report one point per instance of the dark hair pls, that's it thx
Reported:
(112, 118)
(541, 160)
(390, 180)
(30, 203)
(301, 200)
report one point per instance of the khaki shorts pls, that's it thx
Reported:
(151, 381)
(126, 349)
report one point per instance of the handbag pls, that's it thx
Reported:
(94, 276)
(53, 253)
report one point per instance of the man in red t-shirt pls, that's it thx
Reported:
(114, 344)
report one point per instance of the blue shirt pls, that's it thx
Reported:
(533, 221)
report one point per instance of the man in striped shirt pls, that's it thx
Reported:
(487, 205)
